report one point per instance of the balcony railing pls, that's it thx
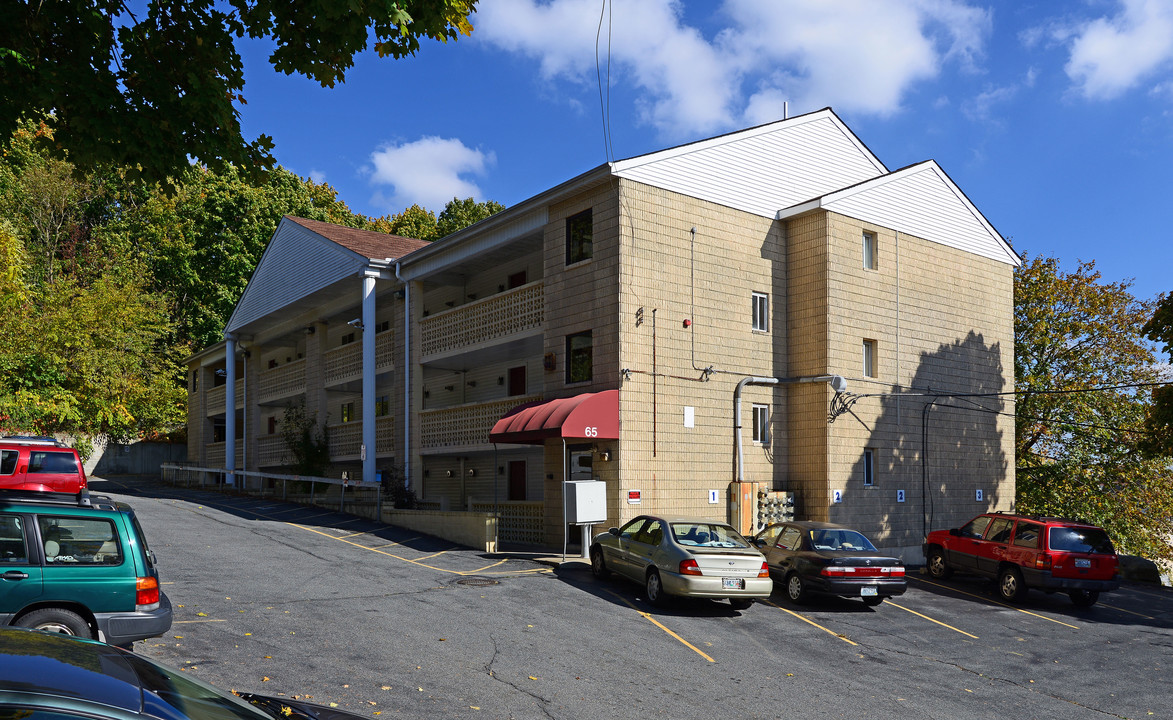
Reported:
(282, 381)
(271, 451)
(500, 316)
(464, 426)
(345, 363)
(346, 438)
(216, 454)
(215, 398)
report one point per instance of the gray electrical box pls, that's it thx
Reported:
(586, 501)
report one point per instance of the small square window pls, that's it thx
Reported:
(347, 338)
(761, 312)
(579, 357)
(347, 412)
(579, 234)
(869, 250)
(382, 406)
(869, 358)
(761, 424)
(869, 467)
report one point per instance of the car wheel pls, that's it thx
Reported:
(796, 588)
(598, 564)
(654, 589)
(1010, 584)
(57, 620)
(740, 603)
(938, 568)
(873, 600)
(1084, 598)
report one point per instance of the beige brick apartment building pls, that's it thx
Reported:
(632, 306)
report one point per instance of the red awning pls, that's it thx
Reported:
(590, 416)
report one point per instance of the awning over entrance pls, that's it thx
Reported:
(590, 416)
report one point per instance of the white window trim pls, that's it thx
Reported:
(869, 467)
(870, 250)
(870, 361)
(760, 421)
(761, 311)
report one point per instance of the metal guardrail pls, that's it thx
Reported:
(219, 479)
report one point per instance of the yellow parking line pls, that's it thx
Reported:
(657, 623)
(997, 602)
(190, 622)
(1130, 612)
(926, 617)
(438, 554)
(812, 622)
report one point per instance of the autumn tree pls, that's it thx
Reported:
(1159, 422)
(147, 86)
(1081, 367)
(459, 214)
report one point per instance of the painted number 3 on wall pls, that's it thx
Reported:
(590, 432)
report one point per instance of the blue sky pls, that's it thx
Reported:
(1055, 118)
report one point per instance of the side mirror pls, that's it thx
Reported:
(955, 532)
(614, 531)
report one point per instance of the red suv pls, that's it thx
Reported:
(42, 464)
(1023, 552)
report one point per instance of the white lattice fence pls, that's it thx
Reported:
(464, 425)
(520, 521)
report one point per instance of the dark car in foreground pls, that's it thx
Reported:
(1025, 551)
(48, 676)
(809, 557)
(685, 557)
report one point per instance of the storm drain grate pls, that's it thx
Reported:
(476, 582)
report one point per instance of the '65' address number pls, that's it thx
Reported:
(590, 432)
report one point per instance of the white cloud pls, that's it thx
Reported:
(856, 55)
(430, 171)
(1109, 56)
(318, 176)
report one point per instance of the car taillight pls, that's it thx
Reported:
(765, 571)
(689, 567)
(1043, 561)
(146, 591)
(840, 571)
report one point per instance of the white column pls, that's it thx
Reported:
(368, 378)
(230, 408)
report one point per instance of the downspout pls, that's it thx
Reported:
(838, 384)
(368, 450)
(406, 377)
(230, 408)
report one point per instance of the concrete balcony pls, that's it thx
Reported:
(346, 439)
(215, 398)
(344, 364)
(271, 451)
(282, 382)
(216, 455)
(500, 318)
(464, 427)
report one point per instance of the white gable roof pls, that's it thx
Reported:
(296, 263)
(764, 168)
(920, 200)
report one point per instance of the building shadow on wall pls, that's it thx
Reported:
(952, 409)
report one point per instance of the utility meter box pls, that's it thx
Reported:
(586, 501)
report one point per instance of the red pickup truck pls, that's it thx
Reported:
(44, 464)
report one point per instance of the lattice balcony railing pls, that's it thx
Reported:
(282, 381)
(495, 317)
(464, 425)
(345, 362)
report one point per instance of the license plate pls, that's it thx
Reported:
(732, 583)
(867, 591)
(1082, 562)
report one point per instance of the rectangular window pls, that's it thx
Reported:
(579, 357)
(383, 326)
(761, 424)
(869, 358)
(579, 232)
(12, 547)
(8, 460)
(79, 541)
(382, 405)
(761, 312)
(869, 250)
(347, 338)
(869, 467)
(517, 382)
(347, 412)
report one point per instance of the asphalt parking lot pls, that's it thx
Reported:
(284, 599)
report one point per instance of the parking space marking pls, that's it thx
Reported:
(997, 602)
(435, 554)
(812, 622)
(192, 622)
(1130, 612)
(657, 623)
(926, 617)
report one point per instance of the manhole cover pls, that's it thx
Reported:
(476, 582)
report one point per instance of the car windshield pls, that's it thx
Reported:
(840, 540)
(700, 534)
(170, 694)
(1081, 540)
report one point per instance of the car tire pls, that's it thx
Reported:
(796, 588)
(1010, 585)
(740, 603)
(57, 620)
(598, 564)
(873, 600)
(654, 589)
(938, 568)
(1084, 598)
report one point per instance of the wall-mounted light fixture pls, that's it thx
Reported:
(549, 361)
(472, 472)
(447, 473)
(501, 381)
(605, 456)
(449, 388)
(451, 303)
(501, 470)
(400, 294)
(310, 329)
(472, 296)
(472, 383)
(355, 323)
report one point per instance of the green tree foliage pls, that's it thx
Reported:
(458, 214)
(1159, 423)
(148, 86)
(1077, 451)
(306, 442)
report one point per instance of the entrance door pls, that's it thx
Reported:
(517, 479)
(517, 381)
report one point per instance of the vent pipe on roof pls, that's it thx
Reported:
(785, 109)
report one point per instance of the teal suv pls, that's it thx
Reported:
(78, 565)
